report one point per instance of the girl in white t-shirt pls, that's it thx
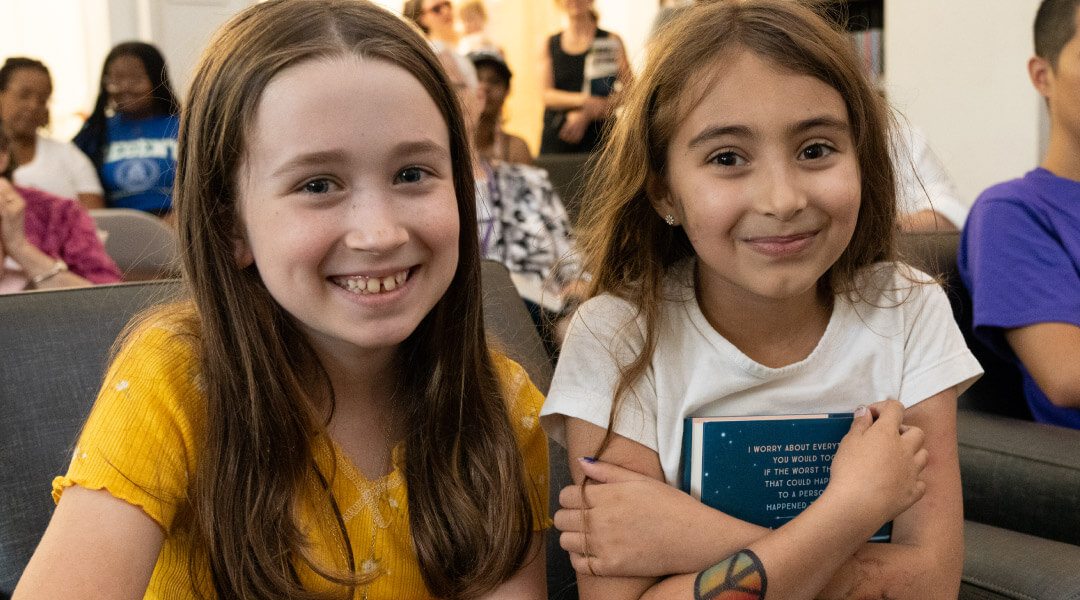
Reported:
(739, 237)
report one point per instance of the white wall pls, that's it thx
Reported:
(958, 70)
(179, 28)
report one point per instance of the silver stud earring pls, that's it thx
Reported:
(670, 220)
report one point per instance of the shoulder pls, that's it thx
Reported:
(522, 174)
(523, 399)
(44, 203)
(164, 340)
(1036, 187)
(896, 287)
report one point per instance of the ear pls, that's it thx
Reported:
(661, 199)
(1042, 75)
(241, 246)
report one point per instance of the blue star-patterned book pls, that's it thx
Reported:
(762, 469)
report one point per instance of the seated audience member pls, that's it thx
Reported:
(131, 135)
(926, 194)
(522, 221)
(1020, 251)
(46, 164)
(491, 140)
(46, 241)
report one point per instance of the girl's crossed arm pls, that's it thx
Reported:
(641, 526)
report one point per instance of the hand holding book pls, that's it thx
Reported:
(639, 526)
(878, 466)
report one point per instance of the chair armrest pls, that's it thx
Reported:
(1020, 475)
(1000, 564)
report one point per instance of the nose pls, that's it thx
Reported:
(375, 224)
(780, 196)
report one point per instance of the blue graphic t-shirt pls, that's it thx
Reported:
(140, 162)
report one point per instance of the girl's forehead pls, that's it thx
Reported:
(722, 70)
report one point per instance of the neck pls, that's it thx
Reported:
(772, 332)
(1063, 155)
(23, 147)
(581, 25)
(447, 36)
(485, 129)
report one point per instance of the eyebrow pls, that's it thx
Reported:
(711, 133)
(425, 146)
(322, 157)
(309, 159)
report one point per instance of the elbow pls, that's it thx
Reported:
(1065, 394)
(1061, 386)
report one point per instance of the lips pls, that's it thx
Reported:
(371, 284)
(780, 246)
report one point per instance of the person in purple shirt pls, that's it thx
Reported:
(1020, 250)
(46, 241)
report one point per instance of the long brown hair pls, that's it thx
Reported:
(625, 247)
(470, 506)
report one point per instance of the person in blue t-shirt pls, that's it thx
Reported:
(131, 135)
(1020, 250)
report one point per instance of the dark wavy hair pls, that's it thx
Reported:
(94, 135)
(471, 504)
(17, 63)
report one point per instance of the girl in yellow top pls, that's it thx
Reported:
(323, 417)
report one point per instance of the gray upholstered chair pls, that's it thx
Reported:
(142, 245)
(54, 346)
(507, 321)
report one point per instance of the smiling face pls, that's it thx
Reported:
(762, 175)
(24, 103)
(347, 202)
(128, 85)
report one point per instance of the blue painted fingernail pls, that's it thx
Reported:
(588, 459)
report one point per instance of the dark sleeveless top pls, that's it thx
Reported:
(569, 72)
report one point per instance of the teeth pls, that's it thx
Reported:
(373, 285)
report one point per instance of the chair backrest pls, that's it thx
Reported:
(142, 245)
(508, 324)
(568, 174)
(54, 346)
(1000, 390)
(507, 321)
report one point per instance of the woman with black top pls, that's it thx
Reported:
(582, 68)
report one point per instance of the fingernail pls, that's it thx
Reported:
(860, 411)
(587, 459)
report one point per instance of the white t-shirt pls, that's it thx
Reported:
(59, 168)
(907, 347)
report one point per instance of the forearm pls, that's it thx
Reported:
(36, 263)
(896, 571)
(91, 201)
(563, 100)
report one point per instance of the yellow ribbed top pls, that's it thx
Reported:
(141, 442)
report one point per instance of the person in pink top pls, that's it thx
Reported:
(46, 241)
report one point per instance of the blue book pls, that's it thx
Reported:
(762, 469)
